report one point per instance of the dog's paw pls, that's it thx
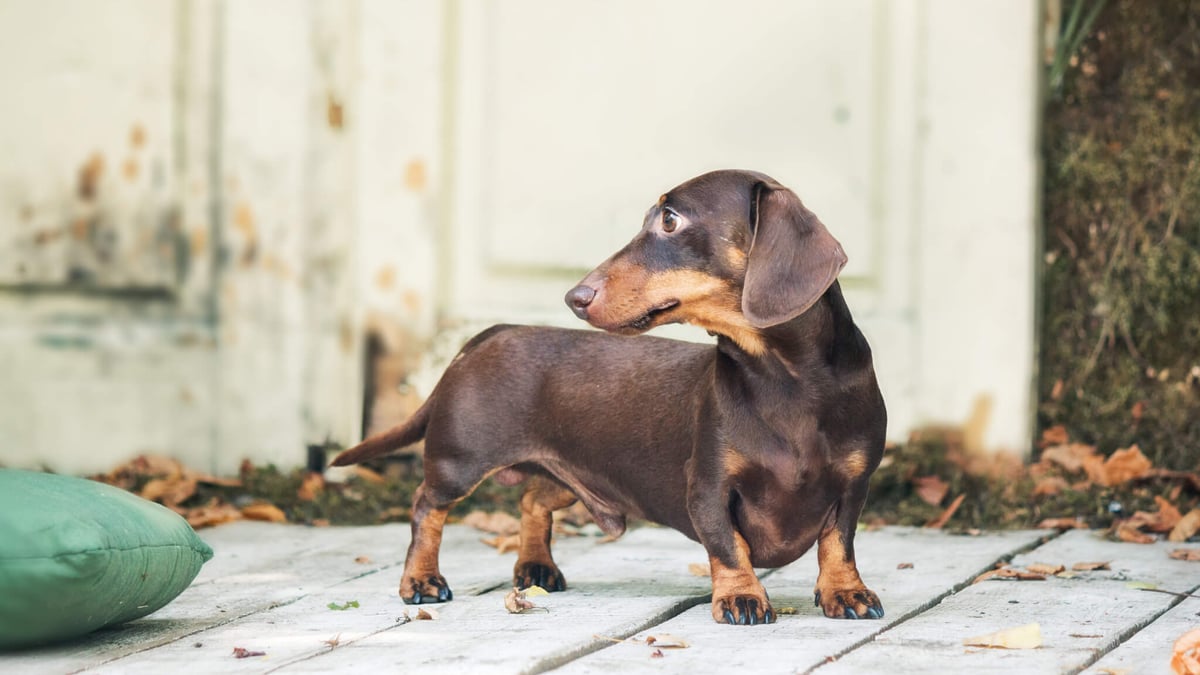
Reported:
(433, 588)
(545, 575)
(742, 610)
(849, 603)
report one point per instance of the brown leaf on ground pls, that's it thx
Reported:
(516, 603)
(699, 569)
(940, 521)
(1090, 566)
(169, 491)
(264, 511)
(931, 489)
(243, 653)
(1188, 554)
(1163, 520)
(1045, 568)
(1130, 534)
(215, 512)
(1049, 486)
(426, 614)
(504, 543)
(497, 522)
(1055, 435)
(1185, 657)
(1013, 573)
(656, 654)
(1022, 637)
(1125, 465)
(1062, 524)
(667, 641)
(312, 485)
(1069, 456)
(904, 566)
(363, 560)
(1186, 527)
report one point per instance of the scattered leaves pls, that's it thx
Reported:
(496, 522)
(1045, 568)
(667, 641)
(940, 521)
(516, 601)
(1062, 524)
(1187, 526)
(424, 614)
(264, 511)
(656, 654)
(1028, 636)
(334, 641)
(785, 611)
(504, 543)
(699, 569)
(1127, 532)
(904, 566)
(215, 512)
(363, 560)
(312, 485)
(341, 608)
(1013, 573)
(1090, 566)
(243, 653)
(931, 489)
(1188, 554)
(1185, 659)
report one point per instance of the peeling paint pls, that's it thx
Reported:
(416, 176)
(334, 113)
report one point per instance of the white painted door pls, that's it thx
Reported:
(570, 118)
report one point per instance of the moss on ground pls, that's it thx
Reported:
(1120, 332)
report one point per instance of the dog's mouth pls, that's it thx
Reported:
(646, 320)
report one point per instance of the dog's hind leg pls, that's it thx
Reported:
(422, 580)
(535, 566)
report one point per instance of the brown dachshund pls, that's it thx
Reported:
(757, 447)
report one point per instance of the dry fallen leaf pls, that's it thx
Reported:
(243, 653)
(264, 511)
(497, 522)
(516, 603)
(334, 641)
(1163, 520)
(656, 654)
(1028, 636)
(1049, 486)
(699, 569)
(941, 520)
(1186, 527)
(1069, 456)
(904, 566)
(1010, 573)
(1044, 568)
(214, 512)
(504, 543)
(363, 560)
(426, 614)
(667, 641)
(1062, 524)
(1125, 465)
(1185, 659)
(312, 485)
(931, 489)
(1090, 566)
(170, 491)
(1188, 554)
(1130, 534)
(1055, 435)
(786, 611)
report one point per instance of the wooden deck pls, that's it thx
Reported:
(269, 589)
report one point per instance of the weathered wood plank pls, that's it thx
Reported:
(1149, 650)
(1081, 618)
(276, 607)
(615, 589)
(940, 563)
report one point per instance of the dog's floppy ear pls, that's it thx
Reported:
(793, 259)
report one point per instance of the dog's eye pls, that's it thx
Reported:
(670, 221)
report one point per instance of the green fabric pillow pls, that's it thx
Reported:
(76, 555)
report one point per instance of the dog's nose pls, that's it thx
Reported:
(579, 298)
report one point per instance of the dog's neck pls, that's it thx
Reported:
(797, 344)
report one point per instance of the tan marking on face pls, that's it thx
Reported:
(735, 258)
(704, 300)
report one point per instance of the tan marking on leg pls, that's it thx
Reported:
(839, 587)
(421, 574)
(737, 590)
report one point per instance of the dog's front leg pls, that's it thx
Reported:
(840, 591)
(738, 596)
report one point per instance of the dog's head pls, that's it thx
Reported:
(733, 252)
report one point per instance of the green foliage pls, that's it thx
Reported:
(1120, 338)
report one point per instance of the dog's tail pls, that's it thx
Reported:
(411, 431)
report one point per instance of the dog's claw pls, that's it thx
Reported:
(875, 612)
(769, 616)
(729, 618)
(851, 614)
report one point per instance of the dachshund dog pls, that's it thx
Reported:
(758, 446)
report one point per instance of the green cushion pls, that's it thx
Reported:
(76, 555)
